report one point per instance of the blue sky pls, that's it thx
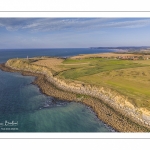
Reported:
(73, 32)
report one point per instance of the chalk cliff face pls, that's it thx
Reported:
(112, 98)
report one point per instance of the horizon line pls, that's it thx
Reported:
(82, 47)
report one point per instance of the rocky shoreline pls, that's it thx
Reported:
(104, 112)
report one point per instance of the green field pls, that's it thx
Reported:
(128, 77)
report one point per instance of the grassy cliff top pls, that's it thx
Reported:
(126, 74)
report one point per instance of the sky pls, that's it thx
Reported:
(73, 32)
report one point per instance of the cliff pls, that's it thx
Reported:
(110, 97)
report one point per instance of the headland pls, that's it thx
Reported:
(86, 79)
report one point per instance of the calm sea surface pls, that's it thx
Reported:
(23, 108)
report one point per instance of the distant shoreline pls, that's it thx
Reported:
(104, 112)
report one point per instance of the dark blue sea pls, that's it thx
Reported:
(23, 108)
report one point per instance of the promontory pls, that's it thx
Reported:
(116, 86)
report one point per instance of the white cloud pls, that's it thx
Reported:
(72, 24)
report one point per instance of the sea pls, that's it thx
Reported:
(23, 108)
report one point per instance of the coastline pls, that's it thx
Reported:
(104, 112)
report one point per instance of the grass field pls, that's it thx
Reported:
(128, 77)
